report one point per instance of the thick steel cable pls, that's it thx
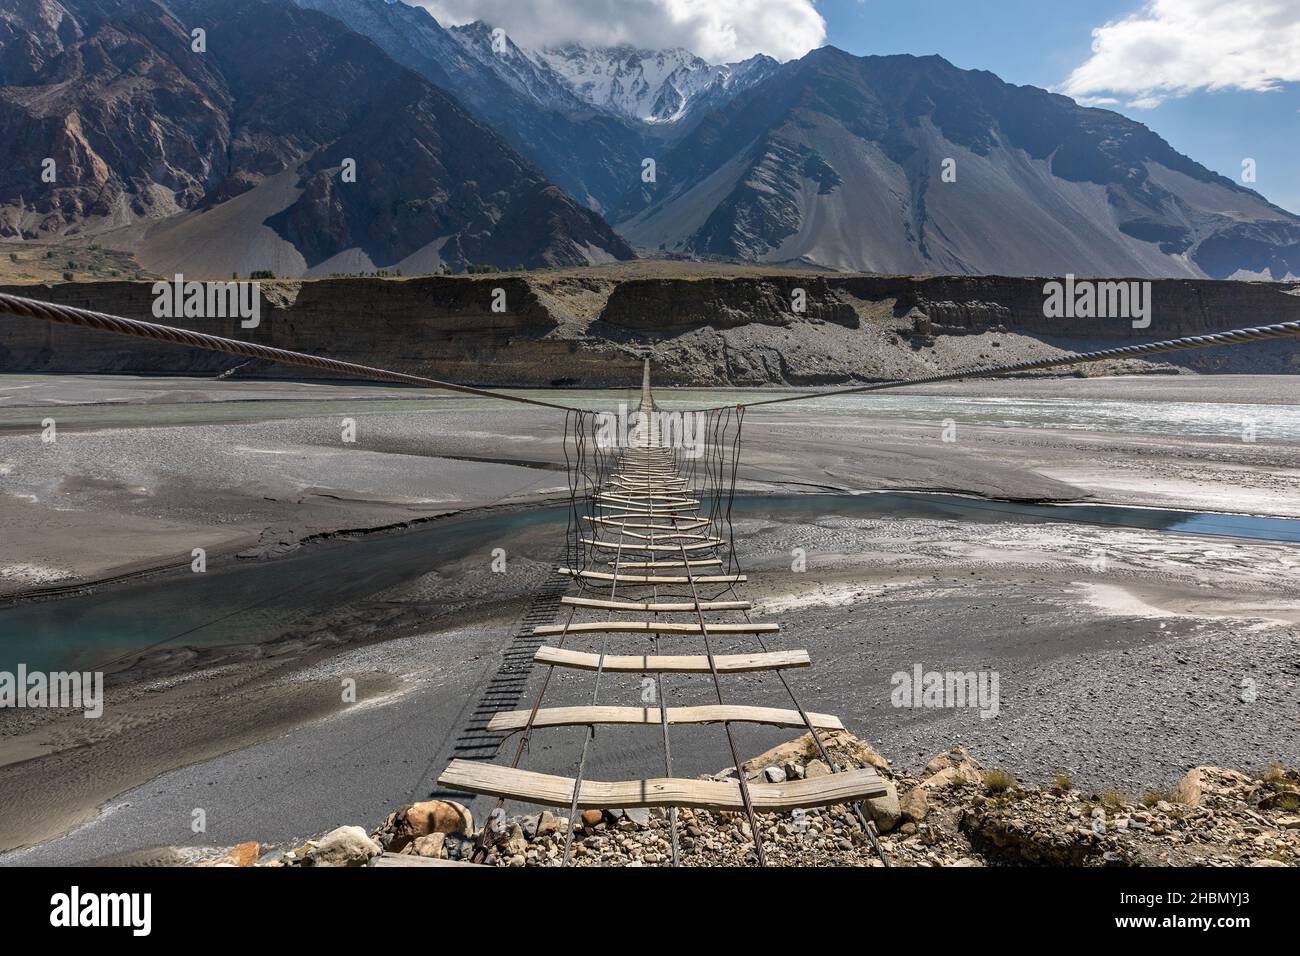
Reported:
(101, 322)
(85, 318)
(591, 728)
(745, 797)
(663, 724)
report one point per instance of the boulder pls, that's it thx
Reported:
(346, 846)
(885, 811)
(591, 818)
(842, 745)
(548, 823)
(1202, 781)
(816, 768)
(774, 775)
(432, 845)
(915, 805)
(955, 766)
(431, 816)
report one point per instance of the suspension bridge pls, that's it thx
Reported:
(649, 553)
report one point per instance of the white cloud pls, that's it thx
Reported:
(1176, 47)
(717, 30)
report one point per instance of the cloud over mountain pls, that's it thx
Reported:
(718, 32)
(1175, 47)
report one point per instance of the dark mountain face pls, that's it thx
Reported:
(241, 149)
(839, 161)
(594, 156)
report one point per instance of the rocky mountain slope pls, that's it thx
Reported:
(592, 155)
(470, 149)
(586, 117)
(226, 159)
(839, 161)
(588, 327)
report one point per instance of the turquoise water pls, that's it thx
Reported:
(261, 601)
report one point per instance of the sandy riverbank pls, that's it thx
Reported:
(1124, 677)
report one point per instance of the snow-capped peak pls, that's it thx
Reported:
(653, 86)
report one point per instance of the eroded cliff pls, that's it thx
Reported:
(588, 328)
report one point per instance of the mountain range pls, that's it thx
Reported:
(472, 149)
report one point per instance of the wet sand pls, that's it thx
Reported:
(1124, 676)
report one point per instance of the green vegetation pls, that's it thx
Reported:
(998, 781)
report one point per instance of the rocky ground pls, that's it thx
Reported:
(954, 813)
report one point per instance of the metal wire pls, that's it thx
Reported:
(86, 319)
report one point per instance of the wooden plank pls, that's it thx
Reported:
(618, 478)
(649, 607)
(548, 790)
(711, 714)
(410, 859)
(699, 563)
(646, 511)
(650, 627)
(674, 663)
(673, 548)
(636, 498)
(620, 522)
(626, 489)
(654, 579)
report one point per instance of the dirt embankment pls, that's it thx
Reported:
(586, 328)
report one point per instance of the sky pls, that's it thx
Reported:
(1218, 79)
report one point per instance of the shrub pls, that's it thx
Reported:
(998, 781)
(1111, 799)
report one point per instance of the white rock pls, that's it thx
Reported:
(346, 846)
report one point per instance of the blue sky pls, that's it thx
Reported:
(1042, 43)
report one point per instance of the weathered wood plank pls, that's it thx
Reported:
(710, 714)
(649, 607)
(621, 522)
(699, 563)
(654, 579)
(674, 663)
(669, 548)
(638, 497)
(407, 859)
(650, 627)
(646, 511)
(548, 790)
